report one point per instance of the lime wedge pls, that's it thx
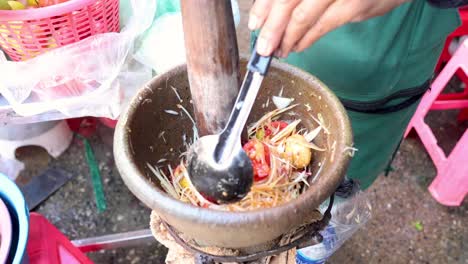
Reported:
(15, 5)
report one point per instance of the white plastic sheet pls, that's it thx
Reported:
(88, 78)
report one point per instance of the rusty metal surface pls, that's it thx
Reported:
(146, 133)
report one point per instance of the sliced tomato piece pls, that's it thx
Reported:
(209, 199)
(259, 154)
(277, 126)
(261, 171)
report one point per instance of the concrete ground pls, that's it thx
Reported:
(399, 201)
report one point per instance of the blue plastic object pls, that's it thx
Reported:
(14, 200)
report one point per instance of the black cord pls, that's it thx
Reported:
(448, 3)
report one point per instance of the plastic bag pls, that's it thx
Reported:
(162, 46)
(87, 78)
(10, 167)
(348, 215)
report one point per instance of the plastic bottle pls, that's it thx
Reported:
(348, 215)
(318, 254)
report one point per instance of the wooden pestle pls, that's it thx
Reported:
(212, 61)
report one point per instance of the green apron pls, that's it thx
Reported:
(373, 59)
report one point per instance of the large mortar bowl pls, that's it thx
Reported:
(146, 133)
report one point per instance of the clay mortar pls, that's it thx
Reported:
(146, 133)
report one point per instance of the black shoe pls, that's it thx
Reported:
(347, 188)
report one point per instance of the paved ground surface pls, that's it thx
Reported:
(398, 201)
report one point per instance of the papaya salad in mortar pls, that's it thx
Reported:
(281, 151)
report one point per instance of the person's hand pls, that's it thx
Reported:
(294, 25)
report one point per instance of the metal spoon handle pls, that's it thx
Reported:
(256, 69)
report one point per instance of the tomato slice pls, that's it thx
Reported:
(277, 126)
(259, 154)
(209, 199)
(261, 171)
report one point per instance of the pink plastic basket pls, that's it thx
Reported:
(25, 34)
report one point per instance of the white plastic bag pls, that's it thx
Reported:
(162, 46)
(87, 78)
(10, 167)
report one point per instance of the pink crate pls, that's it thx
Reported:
(25, 34)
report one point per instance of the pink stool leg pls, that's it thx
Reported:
(437, 87)
(463, 115)
(451, 184)
(457, 65)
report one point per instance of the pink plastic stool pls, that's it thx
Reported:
(48, 246)
(451, 183)
(462, 30)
